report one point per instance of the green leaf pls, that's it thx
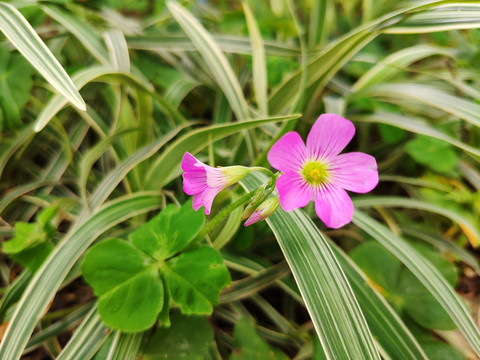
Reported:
(389, 330)
(440, 351)
(169, 232)
(421, 305)
(26, 40)
(396, 62)
(15, 84)
(195, 279)
(26, 234)
(465, 223)
(133, 305)
(440, 18)
(130, 291)
(399, 93)
(401, 287)
(415, 125)
(251, 345)
(436, 154)
(179, 341)
(34, 255)
(391, 134)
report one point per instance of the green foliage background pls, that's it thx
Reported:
(224, 80)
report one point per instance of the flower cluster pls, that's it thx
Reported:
(315, 170)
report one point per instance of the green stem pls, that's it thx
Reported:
(266, 171)
(223, 214)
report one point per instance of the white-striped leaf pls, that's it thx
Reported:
(330, 301)
(29, 44)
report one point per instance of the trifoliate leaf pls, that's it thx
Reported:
(169, 232)
(195, 279)
(129, 287)
(133, 305)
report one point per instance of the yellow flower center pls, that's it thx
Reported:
(315, 172)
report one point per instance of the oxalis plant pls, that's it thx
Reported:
(122, 238)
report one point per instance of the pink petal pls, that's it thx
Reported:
(354, 171)
(205, 199)
(293, 191)
(190, 163)
(288, 153)
(255, 217)
(333, 206)
(194, 182)
(329, 136)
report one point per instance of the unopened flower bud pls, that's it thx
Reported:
(264, 210)
(253, 204)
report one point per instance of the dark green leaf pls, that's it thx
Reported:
(441, 351)
(378, 264)
(421, 305)
(187, 339)
(15, 84)
(33, 256)
(436, 154)
(251, 345)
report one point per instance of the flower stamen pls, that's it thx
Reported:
(315, 172)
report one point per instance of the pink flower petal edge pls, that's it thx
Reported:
(205, 182)
(329, 135)
(202, 181)
(288, 153)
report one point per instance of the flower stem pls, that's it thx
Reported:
(223, 214)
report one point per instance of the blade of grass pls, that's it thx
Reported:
(87, 338)
(214, 59)
(29, 44)
(258, 59)
(398, 93)
(415, 125)
(427, 273)
(393, 201)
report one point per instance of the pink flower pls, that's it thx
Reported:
(205, 182)
(264, 210)
(318, 171)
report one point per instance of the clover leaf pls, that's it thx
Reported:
(169, 232)
(32, 241)
(136, 281)
(128, 285)
(195, 279)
